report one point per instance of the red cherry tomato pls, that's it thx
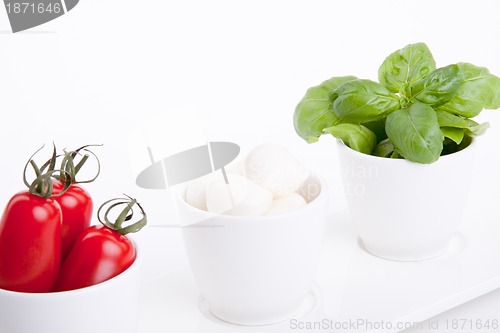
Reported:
(30, 243)
(76, 205)
(99, 254)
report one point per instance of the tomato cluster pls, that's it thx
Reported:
(47, 242)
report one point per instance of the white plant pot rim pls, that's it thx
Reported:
(379, 159)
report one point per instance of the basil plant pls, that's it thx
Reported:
(416, 111)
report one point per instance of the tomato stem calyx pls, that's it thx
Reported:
(125, 215)
(42, 186)
(68, 164)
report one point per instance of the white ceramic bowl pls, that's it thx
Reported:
(110, 306)
(406, 211)
(256, 270)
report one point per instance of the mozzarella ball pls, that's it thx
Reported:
(196, 192)
(286, 204)
(240, 197)
(273, 167)
(236, 168)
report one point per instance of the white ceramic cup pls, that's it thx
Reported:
(402, 210)
(256, 270)
(110, 306)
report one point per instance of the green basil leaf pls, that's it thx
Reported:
(480, 90)
(438, 87)
(356, 136)
(405, 67)
(415, 133)
(493, 102)
(377, 127)
(472, 128)
(453, 133)
(384, 148)
(314, 112)
(362, 101)
(446, 119)
(477, 130)
(395, 154)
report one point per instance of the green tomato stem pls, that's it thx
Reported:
(68, 164)
(42, 186)
(125, 215)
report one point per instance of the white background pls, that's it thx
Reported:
(101, 71)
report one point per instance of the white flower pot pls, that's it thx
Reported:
(256, 270)
(402, 210)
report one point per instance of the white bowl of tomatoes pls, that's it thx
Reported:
(59, 273)
(109, 306)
